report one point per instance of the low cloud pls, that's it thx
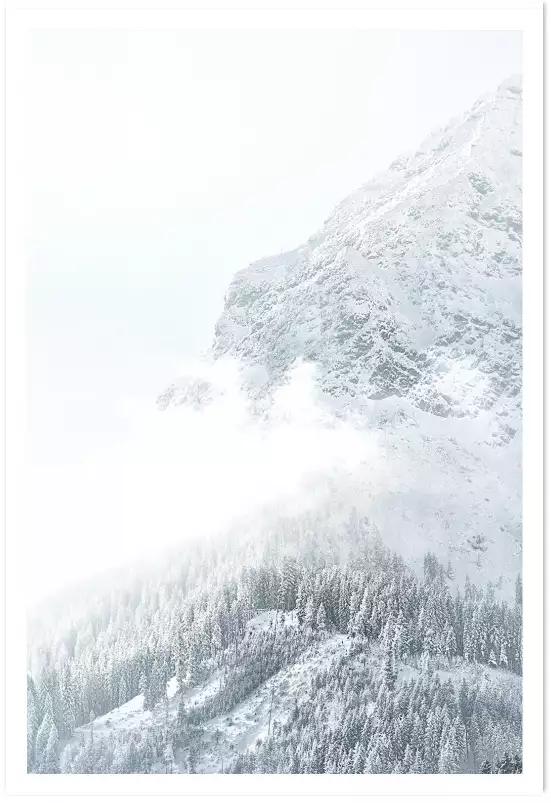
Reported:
(195, 472)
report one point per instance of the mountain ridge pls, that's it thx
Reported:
(407, 303)
(406, 283)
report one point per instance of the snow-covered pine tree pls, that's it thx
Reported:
(301, 602)
(309, 615)
(50, 758)
(321, 619)
(32, 722)
(478, 544)
(43, 733)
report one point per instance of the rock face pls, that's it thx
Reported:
(408, 301)
(412, 288)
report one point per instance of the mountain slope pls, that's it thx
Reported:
(408, 303)
(356, 666)
(332, 625)
(231, 740)
(411, 288)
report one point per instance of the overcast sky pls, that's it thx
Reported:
(159, 164)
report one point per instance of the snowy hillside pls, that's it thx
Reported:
(232, 741)
(248, 660)
(224, 736)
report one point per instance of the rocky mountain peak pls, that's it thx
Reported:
(411, 289)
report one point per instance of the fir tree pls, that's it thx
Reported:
(66, 760)
(32, 722)
(389, 669)
(44, 732)
(301, 603)
(321, 618)
(447, 763)
(309, 614)
(505, 765)
(50, 758)
(478, 545)
(517, 764)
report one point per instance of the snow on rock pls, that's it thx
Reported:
(441, 230)
(408, 303)
(417, 269)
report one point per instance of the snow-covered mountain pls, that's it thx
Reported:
(365, 614)
(408, 303)
(411, 288)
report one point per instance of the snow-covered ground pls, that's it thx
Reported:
(272, 702)
(241, 728)
(238, 729)
(131, 715)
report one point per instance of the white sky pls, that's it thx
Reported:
(159, 164)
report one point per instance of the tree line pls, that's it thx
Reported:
(195, 621)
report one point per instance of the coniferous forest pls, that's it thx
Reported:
(275, 655)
